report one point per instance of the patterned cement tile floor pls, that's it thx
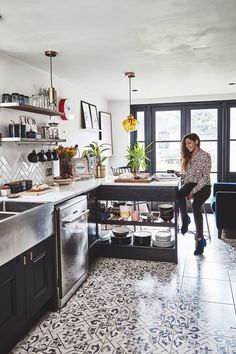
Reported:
(132, 306)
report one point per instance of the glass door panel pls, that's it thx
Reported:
(211, 147)
(167, 156)
(232, 140)
(140, 131)
(168, 125)
(167, 140)
(204, 123)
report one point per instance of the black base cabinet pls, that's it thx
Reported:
(27, 283)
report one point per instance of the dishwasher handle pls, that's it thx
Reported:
(70, 220)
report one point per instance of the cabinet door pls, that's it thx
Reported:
(12, 301)
(39, 275)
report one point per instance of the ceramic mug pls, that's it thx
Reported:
(41, 156)
(55, 156)
(49, 155)
(33, 157)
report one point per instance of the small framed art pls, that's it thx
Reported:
(105, 133)
(94, 116)
(86, 114)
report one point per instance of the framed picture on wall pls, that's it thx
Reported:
(86, 114)
(94, 116)
(105, 133)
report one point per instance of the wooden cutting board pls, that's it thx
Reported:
(128, 180)
(44, 191)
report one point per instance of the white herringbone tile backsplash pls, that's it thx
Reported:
(15, 166)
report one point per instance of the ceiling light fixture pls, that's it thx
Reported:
(52, 93)
(130, 124)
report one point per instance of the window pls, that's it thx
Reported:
(232, 140)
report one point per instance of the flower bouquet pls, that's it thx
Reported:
(65, 154)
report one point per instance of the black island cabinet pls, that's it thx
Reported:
(153, 194)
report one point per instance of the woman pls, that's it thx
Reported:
(196, 167)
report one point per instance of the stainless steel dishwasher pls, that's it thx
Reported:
(72, 246)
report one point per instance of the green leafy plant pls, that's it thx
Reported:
(97, 151)
(138, 156)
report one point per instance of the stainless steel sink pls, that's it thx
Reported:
(4, 216)
(22, 226)
(16, 207)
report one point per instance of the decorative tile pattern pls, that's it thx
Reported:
(140, 307)
(21, 168)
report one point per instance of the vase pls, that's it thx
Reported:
(100, 171)
(66, 168)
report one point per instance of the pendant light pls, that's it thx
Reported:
(52, 93)
(130, 124)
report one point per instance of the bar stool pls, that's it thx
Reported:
(208, 236)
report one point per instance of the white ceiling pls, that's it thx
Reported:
(175, 47)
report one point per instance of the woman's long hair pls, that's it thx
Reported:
(185, 154)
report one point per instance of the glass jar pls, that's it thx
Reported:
(15, 97)
(45, 132)
(53, 130)
(6, 98)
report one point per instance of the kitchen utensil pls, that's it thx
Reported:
(55, 156)
(164, 244)
(142, 238)
(121, 231)
(41, 156)
(14, 186)
(49, 155)
(33, 157)
(163, 236)
(126, 240)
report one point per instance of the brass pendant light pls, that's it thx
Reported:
(52, 93)
(130, 124)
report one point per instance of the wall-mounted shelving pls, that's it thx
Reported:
(33, 141)
(29, 108)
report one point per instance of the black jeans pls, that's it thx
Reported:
(199, 199)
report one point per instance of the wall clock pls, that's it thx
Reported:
(67, 106)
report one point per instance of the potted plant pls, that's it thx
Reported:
(97, 151)
(137, 157)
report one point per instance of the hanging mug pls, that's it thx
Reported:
(49, 155)
(41, 156)
(33, 157)
(55, 155)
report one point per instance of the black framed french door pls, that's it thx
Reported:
(165, 124)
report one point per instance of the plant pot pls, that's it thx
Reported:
(100, 171)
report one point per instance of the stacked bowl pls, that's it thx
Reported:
(166, 211)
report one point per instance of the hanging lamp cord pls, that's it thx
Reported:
(51, 69)
(129, 95)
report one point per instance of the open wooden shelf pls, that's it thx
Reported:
(29, 108)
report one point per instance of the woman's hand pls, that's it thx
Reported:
(178, 174)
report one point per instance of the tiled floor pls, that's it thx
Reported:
(137, 307)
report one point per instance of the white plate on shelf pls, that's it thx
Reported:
(163, 244)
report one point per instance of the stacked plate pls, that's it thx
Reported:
(142, 238)
(163, 239)
(104, 236)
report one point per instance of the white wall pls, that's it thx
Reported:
(20, 77)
